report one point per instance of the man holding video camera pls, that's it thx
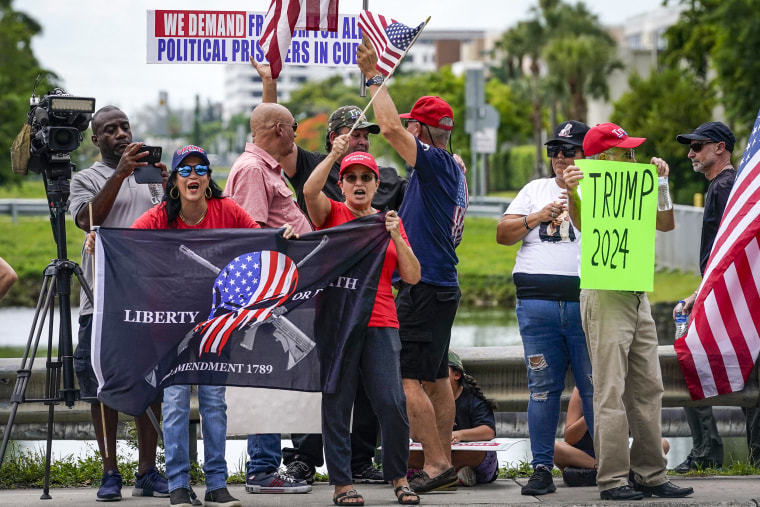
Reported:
(108, 194)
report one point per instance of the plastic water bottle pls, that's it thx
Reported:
(682, 323)
(664, 203)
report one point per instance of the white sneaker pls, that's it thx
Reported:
(466, 476)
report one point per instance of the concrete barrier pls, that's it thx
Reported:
(500, 371)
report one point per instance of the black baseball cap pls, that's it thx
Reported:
(569, 132)
(716, 131)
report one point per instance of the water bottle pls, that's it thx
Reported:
(682, 324)
(664, 203)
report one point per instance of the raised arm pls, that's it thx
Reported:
(102, 202)
(386, 113)
(665, 219)
(317, 203)
(267, 81)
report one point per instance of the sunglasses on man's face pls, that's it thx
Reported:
(366, 177)
(697, 147)
(568, 150)
(185, 170)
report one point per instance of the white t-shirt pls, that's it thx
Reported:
(545, 250)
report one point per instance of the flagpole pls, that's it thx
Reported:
(390, 74)
(363, 88)
(102, 408)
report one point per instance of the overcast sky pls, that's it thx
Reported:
(98, 48)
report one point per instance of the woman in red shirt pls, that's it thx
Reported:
(378, 355)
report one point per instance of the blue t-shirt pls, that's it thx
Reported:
(433, 213)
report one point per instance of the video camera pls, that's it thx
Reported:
(57, 122)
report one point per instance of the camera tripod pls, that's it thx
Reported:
(56, 284)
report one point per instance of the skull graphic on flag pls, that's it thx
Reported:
(245, 293)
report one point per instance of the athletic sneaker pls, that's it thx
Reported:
(110, 487)
(220, 498)
(540, 483)
(180, 497)
(151, 483)
(368, 474)
(301, 471)
(274, 482)
(466, 476)
(579, 477)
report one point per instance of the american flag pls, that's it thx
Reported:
(246, 291)
(722, 344)
(285, 16)
(390, 39)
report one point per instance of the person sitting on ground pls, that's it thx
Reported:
(474, 422)
(575, 455)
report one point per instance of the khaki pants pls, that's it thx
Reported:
(622, 345)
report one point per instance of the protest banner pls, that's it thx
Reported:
(222, 37)
(281, 311)
(618, 214)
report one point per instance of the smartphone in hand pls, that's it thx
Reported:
(149, 173)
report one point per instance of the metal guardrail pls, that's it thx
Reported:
(16, 207)
(500, 371)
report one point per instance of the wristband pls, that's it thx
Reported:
(525, 223)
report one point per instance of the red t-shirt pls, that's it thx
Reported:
(223, 213)
(384, 310)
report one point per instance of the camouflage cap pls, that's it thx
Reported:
(455, 361)
(346, 116)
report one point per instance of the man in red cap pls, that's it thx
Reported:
(433, 214)
(622, 345)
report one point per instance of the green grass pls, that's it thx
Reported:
(30, 188)
(485, 267)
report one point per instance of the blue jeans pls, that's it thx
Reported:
(553, 339)
(264, 453)
(377, 355)
(176, 414)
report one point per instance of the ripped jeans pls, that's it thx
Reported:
(553, 339)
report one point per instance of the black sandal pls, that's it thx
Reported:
(348, 498)
(405, 492)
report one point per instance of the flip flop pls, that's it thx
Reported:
(349, 497)
(405, 492)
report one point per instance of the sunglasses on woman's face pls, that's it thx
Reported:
(568, 150)
(185, 170)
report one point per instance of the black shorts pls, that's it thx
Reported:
(425, 314)
(88, 382)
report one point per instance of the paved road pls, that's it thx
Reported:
(716, 491)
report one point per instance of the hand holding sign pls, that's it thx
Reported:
(618, 216)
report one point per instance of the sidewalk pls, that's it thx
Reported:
(713, 491)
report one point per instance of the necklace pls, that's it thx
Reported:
(182, 217)
(358, 213)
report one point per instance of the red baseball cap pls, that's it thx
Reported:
(430, 111)
(359, 158)
(608, 135)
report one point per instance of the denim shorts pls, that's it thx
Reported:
(425, 314)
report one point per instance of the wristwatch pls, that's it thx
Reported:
(375, 80)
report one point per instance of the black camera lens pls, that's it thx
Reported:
(63, 138)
